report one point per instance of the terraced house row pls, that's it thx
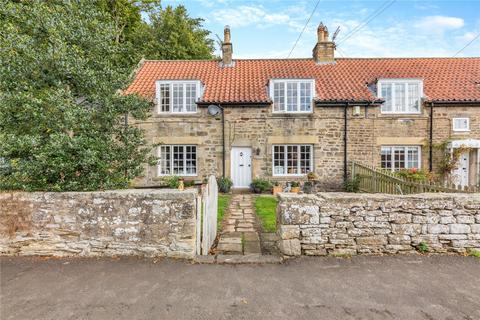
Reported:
(282, 118)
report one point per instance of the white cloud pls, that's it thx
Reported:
(439, 23)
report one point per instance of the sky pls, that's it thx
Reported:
(381, 28)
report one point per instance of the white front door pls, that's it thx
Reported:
(460, 175)
(241, 167)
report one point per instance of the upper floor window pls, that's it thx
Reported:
(400, 95)
(461, 124)
(292, 95)
(177, 96)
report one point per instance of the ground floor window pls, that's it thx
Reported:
(178, 160)
(400, 157)
(292, 159)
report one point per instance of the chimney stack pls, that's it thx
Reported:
(324, 51)
(227, 50)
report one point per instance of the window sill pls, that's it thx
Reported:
(461, 131)
(291, 114)
(177, 115)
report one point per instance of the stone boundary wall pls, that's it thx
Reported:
(111, 223)
(349, 224)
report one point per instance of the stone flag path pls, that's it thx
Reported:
(239, 235)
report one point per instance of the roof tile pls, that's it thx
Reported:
(445, 79)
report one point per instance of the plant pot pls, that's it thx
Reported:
(295, 189)
(277, 189)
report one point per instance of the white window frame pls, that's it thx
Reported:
(392, 155)
(456, 129)
(406, 81)
(198, 92)
(285, 81)
(159, 154)
(312, 165)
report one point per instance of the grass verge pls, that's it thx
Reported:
(223, 202)
(265, 208)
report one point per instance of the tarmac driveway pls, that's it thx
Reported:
(401, 287)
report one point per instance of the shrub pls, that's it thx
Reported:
(352, 184)
(224, 184)
(413, 174)
(260, 185)
(172, 181)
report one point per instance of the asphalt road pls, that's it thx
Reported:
(402, 287)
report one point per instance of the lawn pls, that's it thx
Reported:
(266, 207)
(223, 201)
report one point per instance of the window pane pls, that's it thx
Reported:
(279, 96)
(178, 156)
(461, 124)
(305, 96)
(387, 96)
(292, 96)
(190, 96)
(292, 160)
(413, 97)
(386, 158)
(177, 97)
(400, 97)
(305, 159)
(279, 160)
(191, 159)
(164, 97)
(165, 159)
(412, 158)
(399, 158)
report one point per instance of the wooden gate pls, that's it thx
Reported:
(207, 205)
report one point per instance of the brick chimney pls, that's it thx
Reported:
(324, 51)
(227, 50)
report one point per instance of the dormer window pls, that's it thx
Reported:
(292, 95)
(177, 96)
(400, 95)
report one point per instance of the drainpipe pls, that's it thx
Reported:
(345, 140)
(430, 159)
(223, 141)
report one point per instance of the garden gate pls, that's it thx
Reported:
(207, 205)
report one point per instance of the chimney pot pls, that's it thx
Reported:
(324, 50)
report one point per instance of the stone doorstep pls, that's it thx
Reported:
(230, 247)
(224, 240)
(245, 229)
(248, 258)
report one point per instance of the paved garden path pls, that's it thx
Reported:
(240, 228)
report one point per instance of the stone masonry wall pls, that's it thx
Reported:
(344, 223)
(110, 223)
(257, 127)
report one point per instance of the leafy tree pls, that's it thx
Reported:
(61, 112)
(168, 33)
(173, 34)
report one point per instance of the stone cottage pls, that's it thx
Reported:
(282, 118)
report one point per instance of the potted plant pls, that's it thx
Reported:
(311, 176)
(295, 186)
(276, 188)
(224, 184)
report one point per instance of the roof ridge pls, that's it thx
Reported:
(296, 59)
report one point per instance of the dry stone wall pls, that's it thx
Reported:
(345, 223)
(110, 223)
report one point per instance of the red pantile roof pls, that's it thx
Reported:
(445, 79)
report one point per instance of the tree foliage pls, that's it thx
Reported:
(61, 112)
(168, 33)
